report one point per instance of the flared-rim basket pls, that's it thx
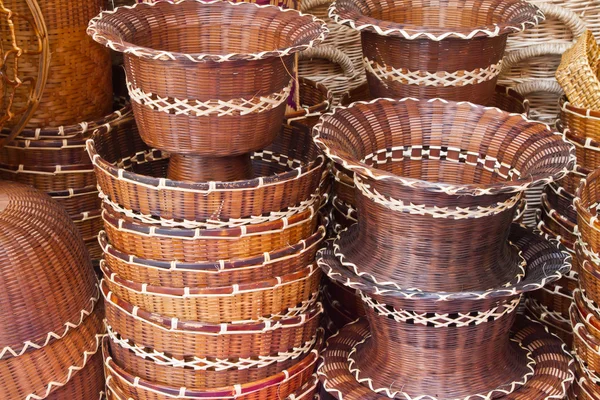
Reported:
(542, 155)
(116, 29)
(516, 16)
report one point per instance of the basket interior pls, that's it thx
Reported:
(218, 28)
(452, 143)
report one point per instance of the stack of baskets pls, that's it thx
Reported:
(50, 153)
(51, 316)
(211, 287)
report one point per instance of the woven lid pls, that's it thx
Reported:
(47, 284)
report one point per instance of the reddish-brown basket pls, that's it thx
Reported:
(561, 200)
(557, 223)
(555, 322)
(78, 200)
(580, 122)
(51, 177)
(557, 297)
(451, 50)
(85, 384)
(280, 385)
(586, 333)
(586, 148)
(429, 168)
(586, 200)
(589, 271)
(45, 152)
(190, 339)
(213, 273)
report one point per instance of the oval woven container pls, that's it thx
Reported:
(287, 173)
(586, 199)
(204, 274)
(191, 339)
(226, 304)
(79, 86)
(207, 106)
(422, 329)
(427, 50)
(281, 384)
(419, 182)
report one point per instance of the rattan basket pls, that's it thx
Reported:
(589, 271)
(578, 73)
(561, 200)
(580, 122)
(223, 82)
(586, 333)
(555, 322)
(409, 46)
(79, 86)
(586, 199)
(414, 186)
(85, 384)
(557, 223)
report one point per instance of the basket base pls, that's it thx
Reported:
(205, 169)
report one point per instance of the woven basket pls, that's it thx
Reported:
(291, 170)
(586, 335)
(85, 384)
(585, 201)
(408, 46)
(561, 200)
(79, 86)
(206, 99)
(556, 298)
(281, 384)
(415, 188)
(77, 201)
(556, 323)
(571, 182)
(557, 223)
(578, 73)
(589, 271)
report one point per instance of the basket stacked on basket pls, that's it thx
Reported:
(51, 320)
(437, 264)
(49, 153)
(210, 281)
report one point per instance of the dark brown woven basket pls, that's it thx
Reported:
(203, 274)
(556, 298)
(78, 87)
(287, 173)
(579, 121)
(463, 330)
(276, 386)
(45, 152)
(561, 200)
(589, 271)
(79, 200)
(556, 323)
(428, 171)
(224, 92)
(560, 225)
(586, 200)
(586, 148)
(423, 49)
(191, 339)
(571, 181)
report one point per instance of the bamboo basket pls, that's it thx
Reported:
(79, 86)
(77, 201)
(585, 201)
(561, 200)
(589, 271)
(556, 298)
(571, 182)
(556, 323)
(580, 122)
(407, 54)
(209, 274)
(558, 223)
(417, 194)
(85, 384)
(586, 333)
(281, 384)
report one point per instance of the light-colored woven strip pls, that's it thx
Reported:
(204, 364)
(50, 336)
(436, 320)
(587, 372)
(435, 212)
(215, 107)
(386, 73)
(545, 313)
(24, 169)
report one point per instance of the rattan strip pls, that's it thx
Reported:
(354, 369)
(518, 185)
(127, 48)
(386, 73)
(434, 211)
(50, 171)
(548, 234)
(590, 304)
(50, 337)
(436, 320)
(203, 364)
(547, 316)
(589, 374)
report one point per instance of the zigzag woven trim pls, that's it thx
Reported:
(72, 371)
(129, 48)
(435, 320)
(215, 107)
(435, 212)
(204, 364)
(51, 336)
(387, 73)
(392, 394)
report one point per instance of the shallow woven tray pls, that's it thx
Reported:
(450, 50)
(549, 234)
(189, 339)
(140, 186)
(219, 273)
(587, 195)
(281, 384)
(553, 373)
(581, 122)
(226, 304)
(578, 72)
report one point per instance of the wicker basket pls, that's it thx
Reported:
(408, 45)
(557, 223)
(288, 173)
(586, 333)
(587, 197)
(556, 322)
(414, 186)
(556, 298)
(79, 86)
(578, 73)
(84, 384)
(561, 200)
(198, 111)
(589, 271)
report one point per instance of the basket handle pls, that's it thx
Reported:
(571, 20)
(306, 5)
(332, 54)
(517, 56)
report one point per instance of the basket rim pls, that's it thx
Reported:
(361, 168)
(568, 107)
(583, 211)
(332, 267)
(550, 235)
(313, 110)
(554, 215)
(226, 392)
(220, 266)
(351, 17)
(579, 317)
(210, 329)
(117, 44)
